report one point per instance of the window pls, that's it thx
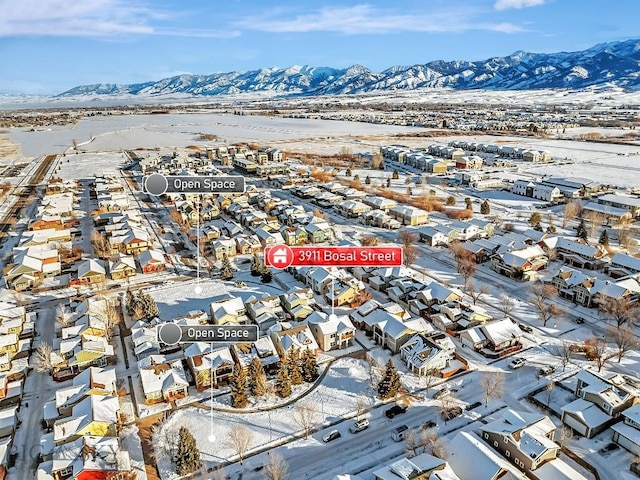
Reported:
(495, 444)
(486, 435)
(507, 454)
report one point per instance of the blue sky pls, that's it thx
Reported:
(48, 46)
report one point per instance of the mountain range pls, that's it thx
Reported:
(615, 64)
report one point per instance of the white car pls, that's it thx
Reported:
(360, 425)
(517, 363)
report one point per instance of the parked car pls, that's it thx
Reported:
(547, 370)
(399, 433)
(443, 392)
(517, 363)
(525, 328)
(578, 320)
(360, 425)
(395, 410)
(429, 424)
(332, 435)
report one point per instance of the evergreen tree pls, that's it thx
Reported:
(239, 397)
(390, 384)
(356, 178)
(266, 274)
(257, 378)
(367, 180)
(130, 300)
(294, 368)
(309, 366)
(256, 266)
(283, 379)
(485, 209)
(226, 273)
(409, 191)
(551, 229)
(582, 230)
(347, 173)
(604, 238)
(395, 175)
(388, 182)
(468, 203)
(188, 456)
(147, 304)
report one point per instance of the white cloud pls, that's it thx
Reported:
(506, 4)
(89, 18)
(365, 19)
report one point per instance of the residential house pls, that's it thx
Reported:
(419, 467)
(162, 380)
(601, 400)
(151, 261)
(294, 235)
(409, 215)
(623, 265)
(318, 232)
(209, 366)
(392, 333)
(288, 338)
(228, 310)
(472, 459)
(95, 415)
(352, 208)
(222, 247)
(627, 433)
(332, 332)
(122, 267)
(424, 357)
(298, 303)
(432, 236)
(90, 272)
(520, 264)
(629, 203)
(579, 254)
(526, 439)
(145, 340)
(263, 348)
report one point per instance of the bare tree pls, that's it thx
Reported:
(408, 240)
(41, 359)
(617, 308)
(109, 316)
(595, 221)
(432, 443)
(625, 339)
(563, 434)
(101, 244)
(306, 417)
(430, 379)
(600, 351)
(565, 354)
(361, 404)
(571, 210)
(459, 254)
(411, 443)
(276, 467)
(238, 439)
(506, 304)
(626, 238)
(540, 294)
(492, 385)
(551, 385)
(476, 293)
(467, 269)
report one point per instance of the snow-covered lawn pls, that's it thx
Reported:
(334, 399)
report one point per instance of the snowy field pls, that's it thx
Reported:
(178, 299)
(86, 165)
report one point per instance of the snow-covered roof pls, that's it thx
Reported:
(159, 376)
(472, 459)
(588, 413)
(558, 469)
(633, 413)
(99, 408)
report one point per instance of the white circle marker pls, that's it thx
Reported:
(212, 438)
(198, 289)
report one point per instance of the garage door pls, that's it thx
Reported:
(573, 423)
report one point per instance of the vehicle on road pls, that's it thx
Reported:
(578, 320)
(525, 328)
(517, 363)
(547, 370)
(443, 392)
(395, 410)
(398, 433)
(360, 425)
(332, 435)
(429, 424)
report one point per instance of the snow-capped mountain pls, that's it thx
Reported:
(613, 64)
